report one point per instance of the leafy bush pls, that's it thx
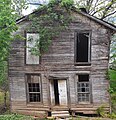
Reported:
(113, 102)
(112, 74)
(100, 111)
(113, 115)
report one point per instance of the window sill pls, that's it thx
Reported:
(34, 103)
(31, 64)
(82, 64)
(81, 103)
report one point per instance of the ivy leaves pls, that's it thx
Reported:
(49, 22)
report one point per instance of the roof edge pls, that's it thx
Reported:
(105, 23)
(109, 25)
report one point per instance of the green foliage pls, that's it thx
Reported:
(113, 53)
(53, 18)
(113, 102)
(100, 111)
(7, 26)
(67, 3)
(4, 83)
(3, 72)
(112, 116)
(112, 90)
(8, 15)
(2, 98)
(112, 74)
(15, 117)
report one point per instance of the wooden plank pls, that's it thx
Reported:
(62, 88)
(59, 62)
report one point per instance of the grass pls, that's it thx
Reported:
(15, 117)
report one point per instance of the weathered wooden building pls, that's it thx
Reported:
(71, 76)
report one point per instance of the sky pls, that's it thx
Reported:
(32, 5)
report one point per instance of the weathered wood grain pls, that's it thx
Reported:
(58, 62)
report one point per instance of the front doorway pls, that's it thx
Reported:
(58, 92)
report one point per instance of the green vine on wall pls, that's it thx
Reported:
(49, 21)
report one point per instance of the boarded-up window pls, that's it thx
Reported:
(30, 43)
(83, 88)
(34, 88)
(82, 49)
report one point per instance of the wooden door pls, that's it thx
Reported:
(58, 92)
(62, 88)
(52, 92)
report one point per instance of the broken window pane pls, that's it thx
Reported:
(82, 47)
(34, 92)
(30, 44)
(83, 88)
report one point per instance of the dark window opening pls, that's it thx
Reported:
(49, 114)
(56, 93)
(82, 47)
(33, 86)
(83, 78)
(83, 88)
(34, 97)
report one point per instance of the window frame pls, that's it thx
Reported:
(27, 88)
(25, 44)
(89, 48)
(90, 89)
(83, 93)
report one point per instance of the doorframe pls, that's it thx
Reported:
(67, 87)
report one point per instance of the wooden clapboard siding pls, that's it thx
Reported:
(58, 61)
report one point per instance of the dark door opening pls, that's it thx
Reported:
(56, 93)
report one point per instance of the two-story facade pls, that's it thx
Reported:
(70, 76)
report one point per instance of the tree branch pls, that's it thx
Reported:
(108, 15)
(96, 7)
(106, 9)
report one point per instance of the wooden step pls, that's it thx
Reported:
(62, 114)
(60, 108)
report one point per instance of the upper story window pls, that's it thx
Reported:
(82, 47)
(30, 43)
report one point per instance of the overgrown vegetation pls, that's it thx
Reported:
(53, 18)
(112, 74)
(15, 117)
(51, 22)
(101, 111)
(8, 25)
(4, 105)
